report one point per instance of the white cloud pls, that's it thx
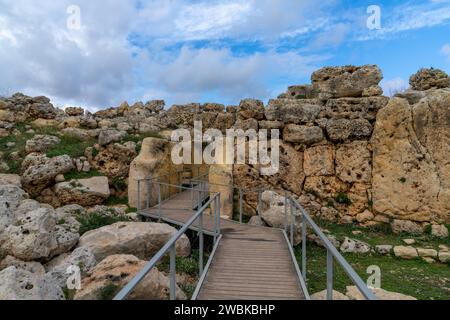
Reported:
(393, 86)
(446, 50)
(407, 17)
(188, 75)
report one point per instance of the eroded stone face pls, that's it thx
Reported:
(410, 147)
(348, 81)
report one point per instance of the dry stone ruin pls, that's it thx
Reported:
(347, 153)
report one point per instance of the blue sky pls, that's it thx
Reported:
(208, 51)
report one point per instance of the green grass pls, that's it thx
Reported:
(69, 294)
(380, 235)
(95, 220)
(412, 277)
(114, 201)
(75, 175)
(71, 146)
(20, 141)
(184, 265)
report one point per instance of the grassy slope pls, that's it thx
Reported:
(412, 277)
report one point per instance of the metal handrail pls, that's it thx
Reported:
(171, 245)
(332, 253)
(291, 205)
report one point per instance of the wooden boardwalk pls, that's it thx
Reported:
(250, 263)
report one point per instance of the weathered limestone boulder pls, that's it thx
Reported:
(404, 252)
(85, 192)
(256, 221)
(365, 216)
(427, 253)
(109, 136)
(439, 231)
(273, 213)
(329, 214)
(426, 79)
(155, 161)
(354, 162)
(116, 271)
(412, 96)
(373, 91)
(44, 110)
(140, 239)
(251, 109)
(384, 249)
(18, 284)
(293, 111)
(80, 257)
(221, 180)
(74, 111)
(10, 198)
(354, 246)
(344, 129)
(411, 145)
(80, 134)
(347, 81)
(41, 143)
(10, 179)
(302, 134)
(155, 106)
(325, 187)
(353, 108)
(30, 266)
(319, 161)
(38, 234)
(37, 177)
(114, 160)
(322, 295)
(444, 256)
(354, 294)
(405, 226)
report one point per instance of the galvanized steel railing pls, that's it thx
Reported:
(171, 246)
(307, 222)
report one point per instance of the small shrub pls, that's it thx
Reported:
(113, 201)
(69, 294)
(119, 184)
(330, 203)
(108, 292)
(300, 96)
(402, 180)
(343, 198)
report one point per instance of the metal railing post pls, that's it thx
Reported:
(159, 199)
(139, 195)
(304, 231)
(286, 212)
(241, 205)
(292, 223)
(201, 245)
(218, 215)
(259, 202)
(173, 273)
(329, 275)
(148, 194)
